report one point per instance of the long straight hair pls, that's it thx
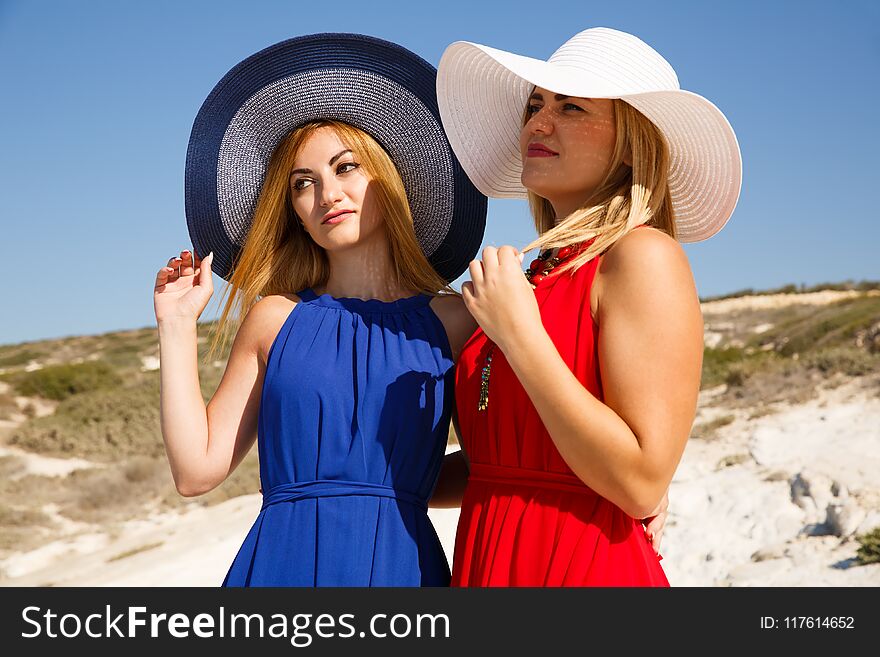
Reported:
(279, 256)
(628, 196)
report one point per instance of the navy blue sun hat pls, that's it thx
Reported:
(377, 86)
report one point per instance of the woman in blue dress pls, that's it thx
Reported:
(320, 185)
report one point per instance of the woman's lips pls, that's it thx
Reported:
(337, 217)
(539, 150)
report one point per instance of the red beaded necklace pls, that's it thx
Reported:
(543, 264)
(538, 270)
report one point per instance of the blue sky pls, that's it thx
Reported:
(98, 100)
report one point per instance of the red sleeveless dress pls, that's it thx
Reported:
(526, 519)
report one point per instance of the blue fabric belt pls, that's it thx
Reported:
(305, 490)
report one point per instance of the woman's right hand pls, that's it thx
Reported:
(183, 287)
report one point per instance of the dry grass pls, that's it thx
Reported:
(708, 430)
(732, 459)
(7, 406)
(105, 496)
(116, 493)
(22, 526)
(17, 517)
(134, 551)
(452, 438)
(94, 495)
(10, 466)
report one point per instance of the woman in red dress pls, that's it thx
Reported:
(576, 395)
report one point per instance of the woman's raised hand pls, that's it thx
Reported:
(500, 298)
(183, 287)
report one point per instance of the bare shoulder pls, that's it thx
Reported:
(645, 263)
(642, 248)
(264, 320)
(456, 319)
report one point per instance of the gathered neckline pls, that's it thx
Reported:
(308, 295)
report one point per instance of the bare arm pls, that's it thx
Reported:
(650, 351)
(204, 444)
(454, 473)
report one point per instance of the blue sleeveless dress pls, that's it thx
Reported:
(353, 424)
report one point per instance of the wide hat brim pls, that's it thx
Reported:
(482, 93)
(377, 86)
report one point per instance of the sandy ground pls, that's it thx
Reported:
(777, 500)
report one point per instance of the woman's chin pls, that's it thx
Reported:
(538, 182)
(339, 240)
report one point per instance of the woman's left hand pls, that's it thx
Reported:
(656, 522)
(500, 297)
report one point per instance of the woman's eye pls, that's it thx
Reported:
(572, 106)
(532, 109)
(345, 167)
(301, 183)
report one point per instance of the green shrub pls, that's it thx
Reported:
(15, 356)
(861, 286)
(123, 355)
(734, 365)
(102, 425)
(745, 292)
(869, 547)
(717, 364)
(59, 382)
(845, 360)
(736, 376)
(834, 325)
(791, 288)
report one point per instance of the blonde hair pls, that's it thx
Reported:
(278, 255)
(626, 198)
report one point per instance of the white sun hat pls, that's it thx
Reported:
(482, 93)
